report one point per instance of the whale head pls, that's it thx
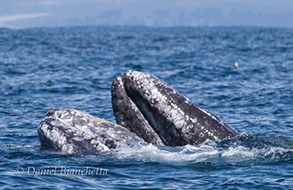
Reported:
(161, 115)
(72, 131)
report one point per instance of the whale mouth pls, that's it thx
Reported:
(127, 112)
(160, 115)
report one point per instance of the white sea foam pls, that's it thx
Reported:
(206, 152)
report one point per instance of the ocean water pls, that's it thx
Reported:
(45, 68)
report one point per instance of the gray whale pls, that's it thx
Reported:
(72, 131)
(161, 115)
(146, 110)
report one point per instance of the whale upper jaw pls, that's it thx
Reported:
(161, 115)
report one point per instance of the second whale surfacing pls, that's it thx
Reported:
(160, 115)
(72, 131)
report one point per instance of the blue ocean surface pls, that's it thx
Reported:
(45, 68)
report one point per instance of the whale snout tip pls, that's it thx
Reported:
(117, 82)
(133, 75)
(136, 79)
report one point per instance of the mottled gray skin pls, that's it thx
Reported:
(128, 115)
(72, 131)
(160, 115)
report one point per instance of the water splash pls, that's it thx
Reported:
(241, 150)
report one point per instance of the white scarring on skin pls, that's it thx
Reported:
(176, 115)
(60, 141)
